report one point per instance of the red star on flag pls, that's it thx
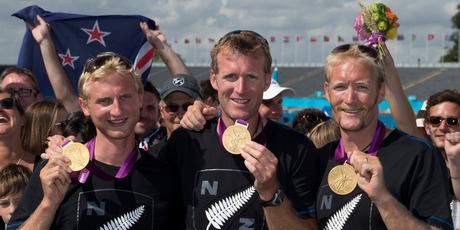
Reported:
(68, 59)
(96, 34)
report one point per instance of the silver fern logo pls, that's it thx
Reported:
(340, 217)
(224, 209)
(126, 221)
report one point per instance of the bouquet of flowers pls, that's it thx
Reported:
(376, 21)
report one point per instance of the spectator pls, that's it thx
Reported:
(442, 125)
(209, 94)
(305, 120)
(13, 180)
(324, 133)
(271, 107)
(11, 121)
(43, 118)
(177, 94)
(22, 83)
(79, 126)
(146, 130)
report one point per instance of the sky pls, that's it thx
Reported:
(180, 19)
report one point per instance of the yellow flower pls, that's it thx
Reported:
(392, 33)
(382, 26)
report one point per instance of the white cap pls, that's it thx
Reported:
(276, 89)
(421, 116)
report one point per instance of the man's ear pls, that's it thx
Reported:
(268, 81)
(427, 129)
(213, 79)
(326, 91)
(84, 106)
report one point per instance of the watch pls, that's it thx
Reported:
(277, 199)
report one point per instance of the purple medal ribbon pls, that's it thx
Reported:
(379, 135)
(91, 167)
(222, 129)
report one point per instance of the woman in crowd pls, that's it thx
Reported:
(11, 120)
(43, 118)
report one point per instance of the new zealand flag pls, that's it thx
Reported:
(79, 37)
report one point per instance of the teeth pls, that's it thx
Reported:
(240, 101)
(3, 118)
(117, 122)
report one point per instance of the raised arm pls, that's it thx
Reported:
(58, 77)
(401, 110)
(55, 182)
(452, 147)
(157, 39)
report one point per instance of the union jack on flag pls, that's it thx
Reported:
(80, 37)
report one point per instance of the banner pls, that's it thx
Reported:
(80, 37)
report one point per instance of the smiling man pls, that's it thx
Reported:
(122, 185)
(22, 83)
(249, 190)
(394, 179)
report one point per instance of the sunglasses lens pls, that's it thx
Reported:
(172, 108)
(452, 121)
(97, 62)
(7, 103)
(369, 51)
(435, 120)
(311, 118)
(341, 49)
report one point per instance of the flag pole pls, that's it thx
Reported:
(426, 49)
(295, 49)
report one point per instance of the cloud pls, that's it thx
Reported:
(181, 19)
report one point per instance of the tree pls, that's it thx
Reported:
(452, 54)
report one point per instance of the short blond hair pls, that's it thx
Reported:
(111, 63)
(355, 55)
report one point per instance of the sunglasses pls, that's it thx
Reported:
(172, 108)
(239, 31)
(450, 121)
(7, 103)
(21, 92)
(97, 62)
(311, 119)
(61, 124)
(369, 51)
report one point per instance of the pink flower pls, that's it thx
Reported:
(359, 27)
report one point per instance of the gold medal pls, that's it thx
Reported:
(78, 155)
(342, 179)
(236, 137)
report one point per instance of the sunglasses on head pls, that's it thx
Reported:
(7, 103)
(311, 119)
(239, 31)
(450, 121)
(369, 51)
(172, 108)
(97, 62)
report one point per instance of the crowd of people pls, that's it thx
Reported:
(159, 160)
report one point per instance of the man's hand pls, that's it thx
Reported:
(196, 116)
(55, 146)
(41, 30)
(370, 175)
(155, 37)
(55, 180)
(263, 165)
(452, 148)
